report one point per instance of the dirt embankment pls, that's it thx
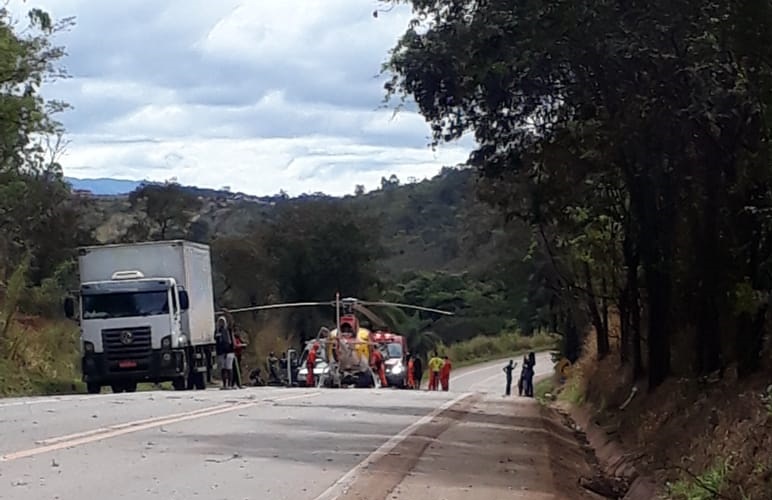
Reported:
(687, 439)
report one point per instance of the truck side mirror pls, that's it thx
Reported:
(69, 307)
(184, 300)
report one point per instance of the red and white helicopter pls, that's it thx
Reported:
(343, 353)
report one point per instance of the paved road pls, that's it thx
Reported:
(261, 442)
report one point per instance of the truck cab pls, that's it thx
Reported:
(136, 328)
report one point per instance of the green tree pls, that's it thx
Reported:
(167, 210)
(573, 101)
(37, 214)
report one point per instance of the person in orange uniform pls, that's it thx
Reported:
(376, 361)
(410, 370)
(310, 365)
(445, 374)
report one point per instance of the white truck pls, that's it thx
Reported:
(146, 314)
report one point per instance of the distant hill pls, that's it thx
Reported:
(104, 186)
(435, 224)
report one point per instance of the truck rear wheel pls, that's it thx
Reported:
(93, 388)
(199, 380)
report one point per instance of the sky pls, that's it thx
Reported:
(258, 95)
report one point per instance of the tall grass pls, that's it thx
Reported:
(487, 347)
(37, 356)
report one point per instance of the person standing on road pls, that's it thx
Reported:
(377, 364)
(418, 371)
(521, 380)
(508, 370)
(225, 351)
(528, 376)
(445, 374)
(410, 371)
(310, 365)
(435, 365)
(238, 348)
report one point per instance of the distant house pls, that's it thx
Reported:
(83, 193)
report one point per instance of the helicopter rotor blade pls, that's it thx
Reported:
(277, 306)
(370, 315)
(407, 306)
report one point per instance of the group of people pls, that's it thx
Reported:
(439, 372)
(525, 383)
(228, 347)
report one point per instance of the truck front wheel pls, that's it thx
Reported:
(93, 388)
(179, 384)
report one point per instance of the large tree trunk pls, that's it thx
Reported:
(708, 340)
(624, 327)
(749, 339)
(653, 196)
(601, 333)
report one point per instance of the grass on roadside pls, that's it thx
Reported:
(490, 347)
(544, 387)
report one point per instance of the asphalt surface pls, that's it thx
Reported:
(261, 442)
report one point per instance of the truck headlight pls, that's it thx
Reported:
(396, 369)
(88, 347)
(183, 340)
(166, 342)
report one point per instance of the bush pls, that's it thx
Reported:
(37, 356)
(486, 347)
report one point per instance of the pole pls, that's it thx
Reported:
(337, 312)
(289, 366)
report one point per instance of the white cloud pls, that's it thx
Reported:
(259, 95)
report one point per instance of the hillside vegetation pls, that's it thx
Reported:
(429, 243)
(635, 139)
(620, 196)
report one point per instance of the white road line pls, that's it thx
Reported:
(134, 423)
(341, 485)
(108, 397)
(130, 427)
(42, 401)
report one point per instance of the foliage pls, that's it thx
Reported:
(306, 252)
(486, 347)
(38, 356)
(706, 486)
(37, 214)
(542, 388)
(166, 210)
(640, 160)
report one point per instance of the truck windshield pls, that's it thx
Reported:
(125, 304)
(393, 350)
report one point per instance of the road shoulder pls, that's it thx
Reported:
(485, 446)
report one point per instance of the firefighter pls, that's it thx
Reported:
(410, 370)
(310, 365)
(445, 374)
(376, 361)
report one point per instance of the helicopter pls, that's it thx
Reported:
(343, 353)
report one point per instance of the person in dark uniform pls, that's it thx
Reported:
(418, 371)
(508, 370)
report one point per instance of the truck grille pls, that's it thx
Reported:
(127, 344)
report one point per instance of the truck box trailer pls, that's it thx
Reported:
(146, 312)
